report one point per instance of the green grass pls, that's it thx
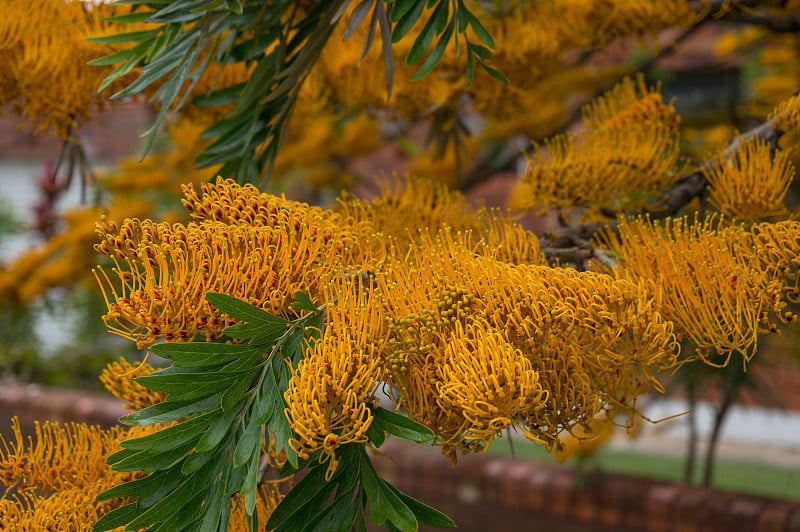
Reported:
(743, 477)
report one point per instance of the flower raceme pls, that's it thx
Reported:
(166, 270)
(751, 184)
(716, 286)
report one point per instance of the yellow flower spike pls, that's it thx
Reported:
(752, 184)
(592, 340)
(171, 267)
(119, 380)
(488, 382)
(507, 241)
(58, 474)
(329, 392)
(721, 309)
(619, 161)
(414, 203)
(630, 102)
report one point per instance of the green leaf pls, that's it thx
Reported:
(479, 29)
(149, 462)
(184, 520)
(384, 505)
(238, 390)
(260, 333)
(138, 16)
(193, 484)
(174, 436)
(400, 425)
(436, 55)
(407, 20)
(250, 489)
(137, 53)
(110, 59)
(339, 516)
(198, 354)
(131, 36)
(186, 386)
(234, 6)
(218, 97)
(302, 492)
(303, 302)
(292, 348)
(424, 513)
(138, 487)
(470, 74)
(480, 50)
(376, 434)
(494, 72)
(401, 7)
(117, 517)
(248, 443)
(196, 460)
(218, 430)
(215, 503)
(424, 39)
(169, 411)
(242, 311)
(357, 17)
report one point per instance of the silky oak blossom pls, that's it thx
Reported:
(393, 218)
(44, 77)
(330, 392)
(711, 287)
(626, 153)
(593, 341)
(119, 378)
(752, 183)
(165, 270)
(58, 474)
(776, 247)
(487, 383)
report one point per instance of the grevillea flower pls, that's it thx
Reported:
(166, 270)
(712, 287)
(332, 388)
(626, 154)
(43, 54)
(752, 183)
(486, 382)
(58, 474)
(592, 341)
(119, 380)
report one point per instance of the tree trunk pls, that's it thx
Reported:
(691, 448)
(727, 399)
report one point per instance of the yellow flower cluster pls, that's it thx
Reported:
(394, 217)
(43, 54)
(627, 153)
(330, 391)
(119, 380)
(58, 475)
(714, 288)
(61, 470)
(166, 270)
(467, 330)
(469, 346)
(752, 183)
(776, 247)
